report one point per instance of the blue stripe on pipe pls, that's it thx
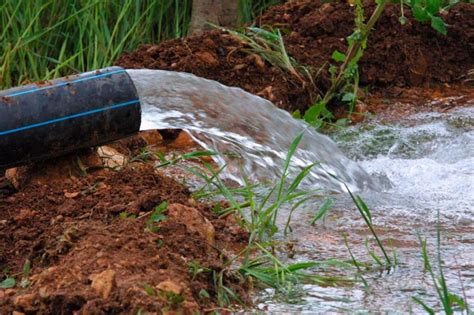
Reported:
(56, 120)
(63, 83)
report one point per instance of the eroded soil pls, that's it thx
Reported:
(91, 247)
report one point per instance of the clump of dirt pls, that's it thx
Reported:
(93, 248)
(398, 55)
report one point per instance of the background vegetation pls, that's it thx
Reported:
(44, 39)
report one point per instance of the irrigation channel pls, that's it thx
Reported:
(406, 172)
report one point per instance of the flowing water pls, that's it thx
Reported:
(235, 123)
(427, 158)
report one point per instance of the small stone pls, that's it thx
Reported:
(152, 137)
(259, 62)
(170, 286)
(26, 301)
(193, 220)
(71, 194)
(17, 176)
(24, 214)
(2, 294)
(207, 58)
(10, 292)
(239, 67)
(17, 313)
(103, 283)
(111, 157)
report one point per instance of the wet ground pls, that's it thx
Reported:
(428, 158)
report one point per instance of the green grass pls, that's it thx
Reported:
(450, 302)
(250, 10)
(49, 38)
(44, 39)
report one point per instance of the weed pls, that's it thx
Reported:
(194, 268)
(149, 290)
(203, 294)
(196, 155)
(7, 283)
(448, 300)
(10, 281)
(126, 215)
(322, 210)
(345, 78)
(157, 216)
(249, 10)
(268, 44)
(24, 283)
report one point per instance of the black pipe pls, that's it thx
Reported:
(52, 118)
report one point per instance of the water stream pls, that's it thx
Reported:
(235, 123)
(428, 158)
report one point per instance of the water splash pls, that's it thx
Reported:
(230, 120)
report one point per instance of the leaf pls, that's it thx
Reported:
(296, 114)
(456, 299)
(433, 6)
(403, 20)
(322, 210)
(348, 97)
(7, 283)
(438, 24)
(157, 215)
(428, 309)
(342, 122)
(338, 56)
(362, 206)
(26, 268)
(203, 294)
(420, 13)
(149, 290)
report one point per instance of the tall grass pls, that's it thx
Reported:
(48, 38)
(250, 10)
(43, 39)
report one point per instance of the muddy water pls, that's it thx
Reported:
(429, 158)
(252, 135)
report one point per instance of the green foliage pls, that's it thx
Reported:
(49, 38)
(157, 216)
(428, 11)
(250, 10)
(8, 283)
(25, 282)
(268, 44)
(345, 76)
(449, 301)
(194, 268)
(44, 39)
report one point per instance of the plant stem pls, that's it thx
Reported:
(353, 49)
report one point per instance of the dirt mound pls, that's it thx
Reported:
(409, 55)
(93, 249)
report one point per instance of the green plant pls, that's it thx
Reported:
(44, 39)
(194, 268)
(249, 10)
(448, 300)
(428, 11)
(157, 216)
(345, 78)
(10, 281)
(196, 155)
(48, 38)
(269, 44)
(7, 283)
